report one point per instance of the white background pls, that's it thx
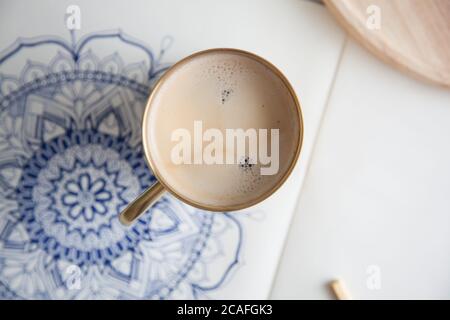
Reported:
(377, 190)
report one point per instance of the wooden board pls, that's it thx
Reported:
(413, 35)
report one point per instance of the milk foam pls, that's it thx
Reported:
(225, 90)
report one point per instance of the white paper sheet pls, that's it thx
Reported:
(297, 36)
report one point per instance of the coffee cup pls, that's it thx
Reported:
(221, 131)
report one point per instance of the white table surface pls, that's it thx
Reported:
(375, 205)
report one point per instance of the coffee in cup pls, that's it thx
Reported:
(222, 130)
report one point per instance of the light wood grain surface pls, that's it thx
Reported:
(413, 35)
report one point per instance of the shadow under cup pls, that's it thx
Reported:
(222, 130)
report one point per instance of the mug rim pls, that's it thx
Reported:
(153, 166)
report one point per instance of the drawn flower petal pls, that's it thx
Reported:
(98, 207)
(97, 186)
(103, 196)
(84, 181)
(72, 187)
(89, 213)
(17, 126)
(8, 124)
(76, 211)
(69, 199)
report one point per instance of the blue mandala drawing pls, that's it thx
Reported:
(71, 160)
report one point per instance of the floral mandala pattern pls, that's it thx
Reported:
(71, 160)
(86, 198)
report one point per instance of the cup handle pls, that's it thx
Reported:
(141, 203)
